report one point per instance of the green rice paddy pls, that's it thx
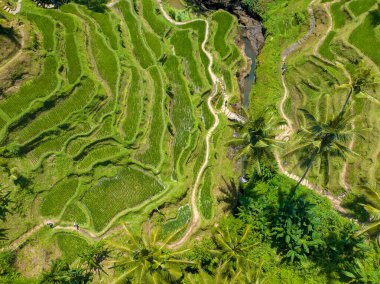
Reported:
(114, 122)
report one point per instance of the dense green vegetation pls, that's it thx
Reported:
(102, 142)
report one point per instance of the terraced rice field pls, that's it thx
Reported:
(315, 81)
(115, 121)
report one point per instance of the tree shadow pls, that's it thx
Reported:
(3, 234)
(374, 17)
(231, 194)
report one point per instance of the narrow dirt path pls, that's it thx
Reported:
(329, 28)
(289, 129)
(16, 10)
(112, 3)
(195, 212)
(23, 238)
(19, 52)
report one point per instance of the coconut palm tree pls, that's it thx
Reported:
(324, 139)
(145, 260)
(257, 139)
(61, 273)
(94, 256)
(362, 79)
(373, 209)
(231, 250)
(248, 274)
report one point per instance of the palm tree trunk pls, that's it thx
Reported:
(346, 102)
(314, 155)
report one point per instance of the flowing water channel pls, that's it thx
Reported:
(250, 79)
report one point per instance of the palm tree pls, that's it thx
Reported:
(231, 250)
(373, 208)
(323, 140)
(248, 274)
(257, 139)
(60, 272)
(361, 80)
(94, 256)
(146, 260)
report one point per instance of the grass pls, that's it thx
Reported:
(98, 154)
(126, 190)
(324, 50)
(358, 7)
(142, 52)
(282, 31)
(58, 196)
(366, 36)
(70, 245)
(74, 214)
(46, 27)
(153, 154)
(205, 196)
(199, 27)
(158, 24)
(207, 116)
(182, 115)
(107, 25)
(184, 47)
(134, 105)
(224, 22)
(40, 87)
(154, 43)
(338, 15)
(71, 47)
(177, 223)
(76, 100)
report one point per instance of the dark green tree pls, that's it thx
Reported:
(257, 139)
(61, 273)
(362, 79)
(323, 140)
(294, 229)
(232, 250)
(143, 259)
(92, 259)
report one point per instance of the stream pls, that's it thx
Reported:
(246, 86)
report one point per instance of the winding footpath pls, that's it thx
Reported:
(195, 212)
(215, 81)
(15, 11)
(289, 129)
